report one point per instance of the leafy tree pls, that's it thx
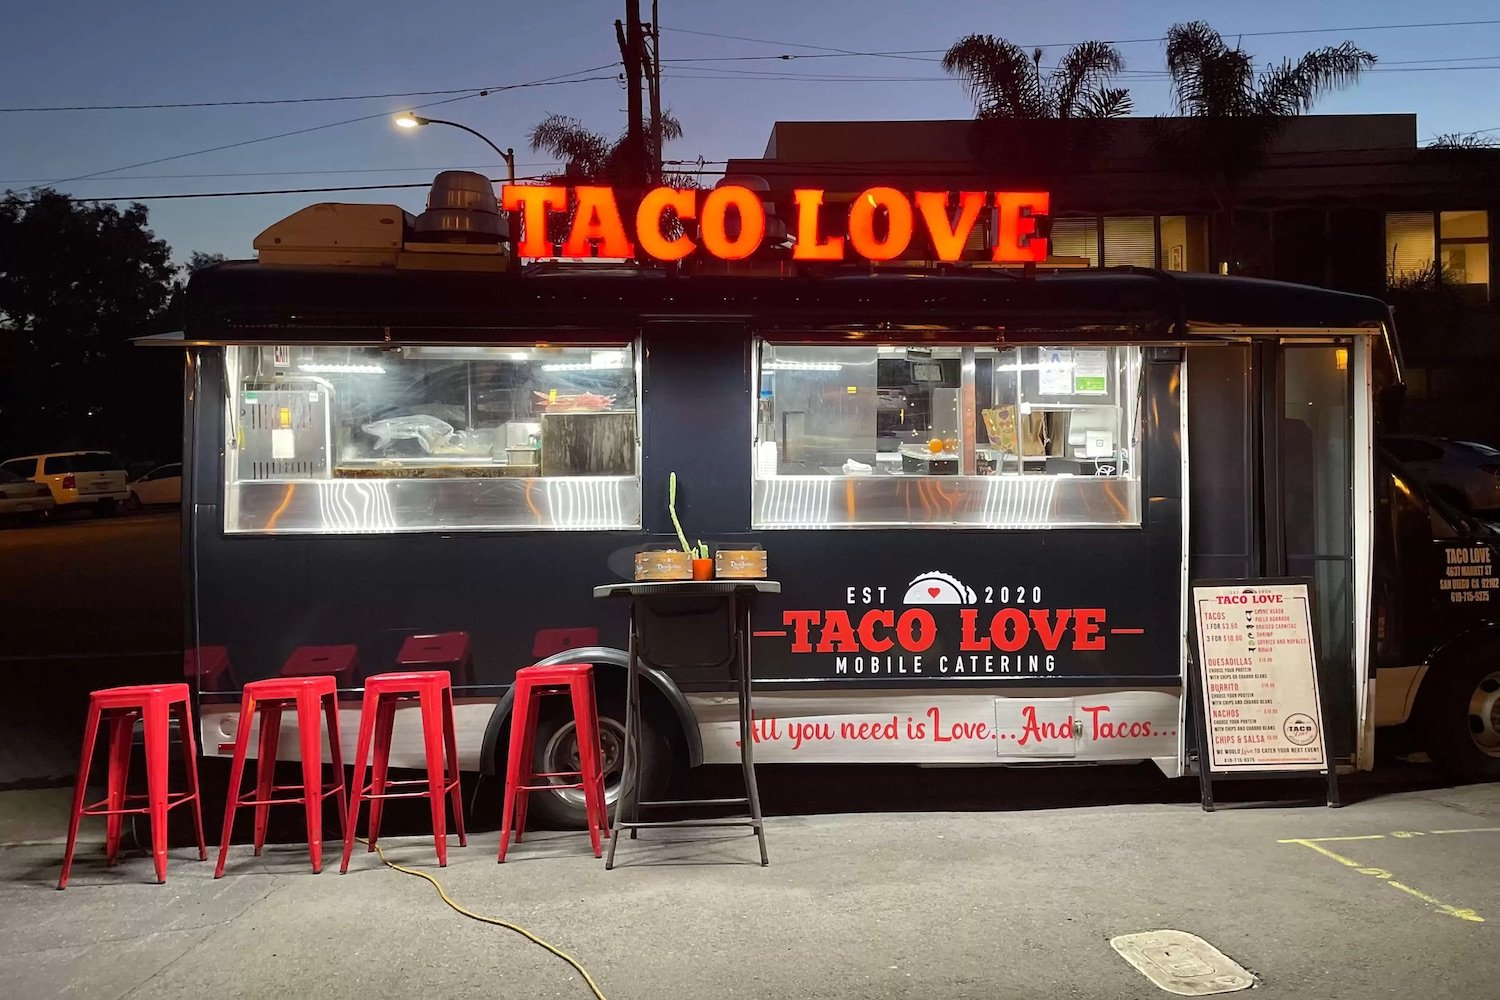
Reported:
(78, 280)
(1004, 82)
(199, 260)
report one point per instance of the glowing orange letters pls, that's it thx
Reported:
(881, 223)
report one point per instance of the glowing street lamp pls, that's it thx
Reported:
(408, 120)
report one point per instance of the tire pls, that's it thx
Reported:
(133, 503)
(1461, 715)
(557, 750)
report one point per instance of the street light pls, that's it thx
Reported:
(408, 120)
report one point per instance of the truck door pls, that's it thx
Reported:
(1271, 491)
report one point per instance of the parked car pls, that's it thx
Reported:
(23, 498)
(1466, 474)
(162, 485)
(94, 479)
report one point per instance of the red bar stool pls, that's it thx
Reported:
(121, 707)
(320, 661)
(532, 684)
(433, 692)
(310, 697)
(445, 650)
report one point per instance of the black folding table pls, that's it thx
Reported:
(688, 626)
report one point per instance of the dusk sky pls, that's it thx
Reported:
(67, 52)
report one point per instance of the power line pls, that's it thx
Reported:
(273, 191)
(889, 54)
(481, 91)
(231, 104)
(551, 80)
(481, 167)
(915, 54)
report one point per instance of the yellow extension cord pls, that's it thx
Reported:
(593, 986)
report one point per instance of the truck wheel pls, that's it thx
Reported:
(557, 750)
(1462, 716)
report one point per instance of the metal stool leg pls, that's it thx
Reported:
(747, 742)
(628, 761)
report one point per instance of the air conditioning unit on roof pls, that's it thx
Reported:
(336, 233)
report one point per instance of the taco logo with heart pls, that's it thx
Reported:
(938, 588)
(939, 624)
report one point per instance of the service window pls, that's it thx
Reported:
(331, 439)
(984, 436)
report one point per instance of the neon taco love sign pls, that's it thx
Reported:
(946, 220)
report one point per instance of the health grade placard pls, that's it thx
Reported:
(1259, 677)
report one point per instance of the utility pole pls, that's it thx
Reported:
(655, 84)
(631, 43)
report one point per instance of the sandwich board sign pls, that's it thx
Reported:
(1259, 709)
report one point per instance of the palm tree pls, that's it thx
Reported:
(1039, 123)
(1230, 113)
(1004, 82)
(592, 158)
(1211, 80)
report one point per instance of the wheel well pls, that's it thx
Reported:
(1455, 650)
(660, 697)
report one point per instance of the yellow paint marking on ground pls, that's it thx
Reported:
(1462, 913)
(1324, 851)
(1477, 829)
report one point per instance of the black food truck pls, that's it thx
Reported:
(985, 491)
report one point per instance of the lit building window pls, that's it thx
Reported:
(1171, 242)
(1408, 246)
(1076, 239)
(1421, 247)
(1130, 240)
(1464, 249)
(1184, 243)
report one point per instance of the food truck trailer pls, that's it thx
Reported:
(984, 489)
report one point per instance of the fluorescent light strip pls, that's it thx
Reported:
(321, 369)
(608, 366)
(802, 366)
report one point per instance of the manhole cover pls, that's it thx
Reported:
(1182, 963)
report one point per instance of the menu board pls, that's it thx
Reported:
(1258, 677)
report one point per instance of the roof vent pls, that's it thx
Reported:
(461, 208)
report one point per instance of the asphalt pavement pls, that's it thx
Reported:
(1391, 896)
